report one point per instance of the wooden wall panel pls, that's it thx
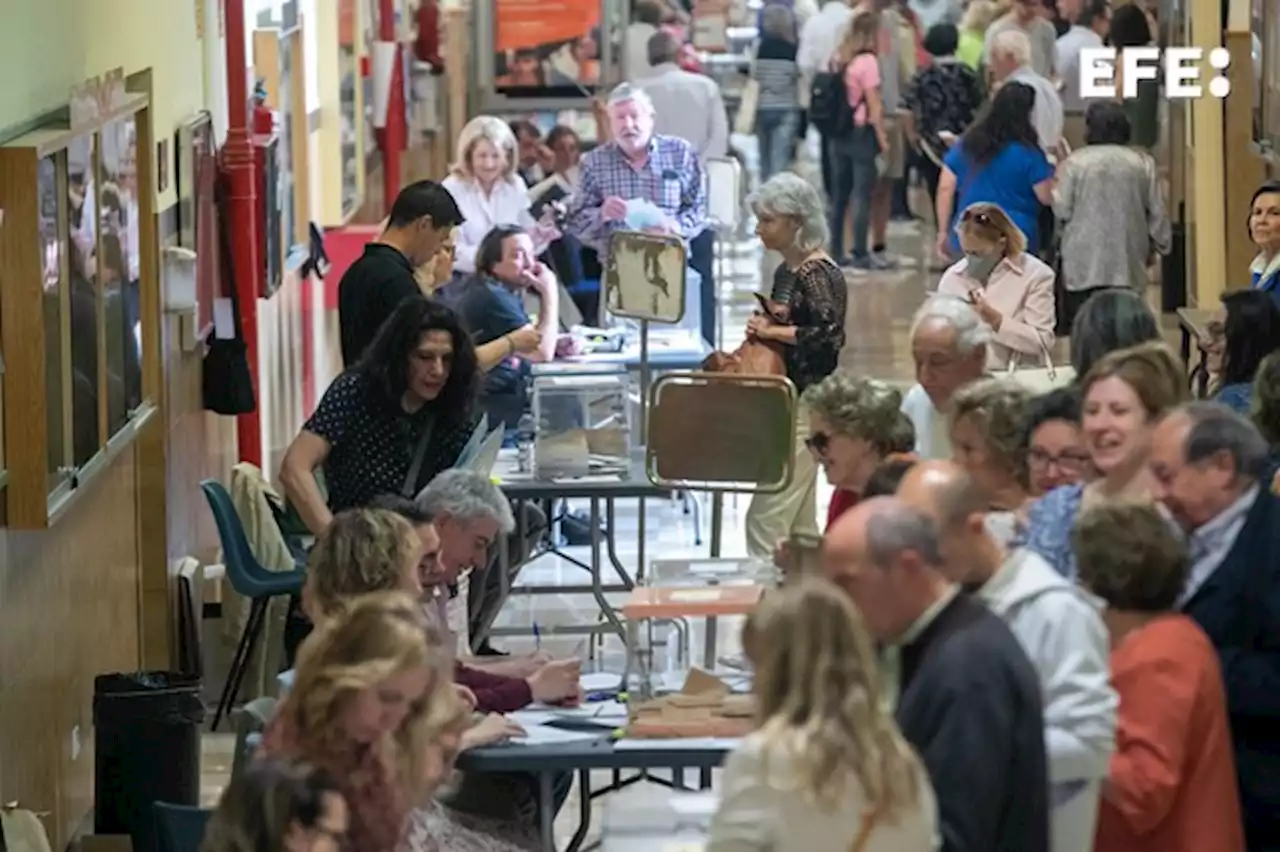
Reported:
(199, 445)
(68, 612)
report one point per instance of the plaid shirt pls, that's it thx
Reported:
(672, 179)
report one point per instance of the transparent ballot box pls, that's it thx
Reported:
(583, 422)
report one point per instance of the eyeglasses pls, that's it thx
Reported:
(1068, 462)
(818, 442)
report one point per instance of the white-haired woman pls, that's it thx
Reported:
(488, 191)
(791, 220)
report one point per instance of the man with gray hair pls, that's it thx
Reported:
(687, 106)
(1211, 470)
(473, 518)
(968, 698)
(1024, 17)
(638, 165)
(949, 346)
(1011, 59)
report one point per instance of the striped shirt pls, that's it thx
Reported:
(777, 74)
(672, 179)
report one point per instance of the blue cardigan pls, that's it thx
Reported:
(1239, 608)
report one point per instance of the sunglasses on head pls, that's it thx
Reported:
(978, 217)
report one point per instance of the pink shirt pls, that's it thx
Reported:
(1021, 289)
(861, 76)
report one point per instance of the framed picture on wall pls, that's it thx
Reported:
(196, 178)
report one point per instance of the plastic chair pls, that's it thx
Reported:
(248, 578)
(179, 828)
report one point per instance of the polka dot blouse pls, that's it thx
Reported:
(372, 441)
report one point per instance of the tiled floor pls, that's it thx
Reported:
(880, 309)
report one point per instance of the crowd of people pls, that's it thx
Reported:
(1047, 609)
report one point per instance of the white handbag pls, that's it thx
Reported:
(1041, 380)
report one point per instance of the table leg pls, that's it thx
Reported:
(584, 811)
(546, 813)
(597, 583)
(1202, 380)
(1186, 348)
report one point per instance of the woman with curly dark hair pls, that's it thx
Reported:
(392, 422)
(1246, 330)
(998, 160)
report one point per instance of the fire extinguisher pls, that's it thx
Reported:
(427, 47)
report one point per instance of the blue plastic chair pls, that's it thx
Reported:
(179, 828)
(248, 578)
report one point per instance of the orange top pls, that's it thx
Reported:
(1172, 785)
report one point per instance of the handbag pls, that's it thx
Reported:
(744, 122)
(1040, 380)
(226, 381)
(753, 357)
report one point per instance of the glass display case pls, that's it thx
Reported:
(78, 297)
(583, 424)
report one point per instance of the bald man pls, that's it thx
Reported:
(969, 701)
(1061, 632)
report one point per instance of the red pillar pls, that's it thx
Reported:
(242, 217)
(394, 133)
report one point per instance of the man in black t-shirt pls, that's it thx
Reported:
(422, 219)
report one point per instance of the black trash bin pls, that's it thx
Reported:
(146, 749)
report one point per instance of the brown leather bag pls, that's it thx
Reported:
(753, 357)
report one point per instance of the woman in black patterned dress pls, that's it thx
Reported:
(791, 220)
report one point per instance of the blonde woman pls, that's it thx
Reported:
(278, 806)
(367, 702)
(827, 770)
(1010, 288)
(854, 170)
(1125, 393)
(488, 191)
(376, 551)
(973, 31)
(372, 704)
(987, 421)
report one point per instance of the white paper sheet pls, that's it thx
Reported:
(541, 735)
(608, 714)
(719, 569)
(690, 743)
(528, 718)
(600, 681)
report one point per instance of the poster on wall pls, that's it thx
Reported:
(711, 25)
(546, 47)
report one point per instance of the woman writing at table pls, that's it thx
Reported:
(827, 769)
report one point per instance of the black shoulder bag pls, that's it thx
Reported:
(227, 383)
